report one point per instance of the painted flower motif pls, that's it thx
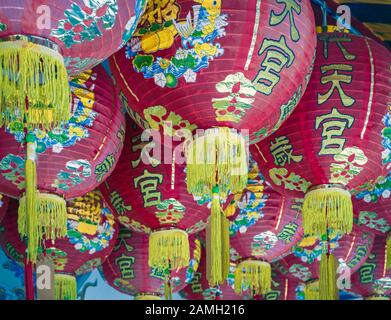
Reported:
(349, 164)
(375, 189)
(240, 98)
(371, 220)
(171, 123)
(291, 182)
(170, 211)
(263, 242)
(198, 38)
(86, 23)
(300, 272)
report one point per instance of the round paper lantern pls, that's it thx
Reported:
(332, 143)
(348, 253)
(91, 234)
(218, 66)
(265, 228)
(199, 289)
(41, 43)
(373, 279)
(127, 268)
(73, 158)
(148, 194)
(3, 206)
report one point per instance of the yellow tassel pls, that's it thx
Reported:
(38, 73)
(216, 158)
(328, 278)
(327, 208)
(217, 249)
(169, 249)
(141, 296)
(253, 275)
(388, 253)
(49, 221)
(167, 289)
(65, 287)
(377, 297)
(225, 246)
(311, 291)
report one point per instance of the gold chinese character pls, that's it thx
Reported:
(123, 236)
(145, 147)
(328, 38)
(336, 79)
(334, 125)
(125, 265)
(278, 56)
(281, 150)
(290, 6)
(159, 11)
(148, 184)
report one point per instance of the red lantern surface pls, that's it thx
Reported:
(303, 263)
(75, 158)
(267, 225)
(127, 270)
(91, 234)
(374, 216)
(373, 279)
(3, 206)
(199, 289)
(87, 31)
(332, 143)
(149, 194)
(225, 63)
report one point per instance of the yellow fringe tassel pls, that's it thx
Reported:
(49, 220)
(327, 208)
(65, 287)
(377, 298)
(167, 289)
(311, 291)
(216, 158)
(328, 278)
(169, 249)
(217, 248)
(388, 253)
(254, 275)
(142, 296)
(37, 73)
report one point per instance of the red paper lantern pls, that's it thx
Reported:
(373, 279)
(3, 206)
(332, 143)
(303, 264)
(222, 66)
(72, 159)
(148, 194)
(265, 228)
(215, 64)
(199, 289)
(49, 40)
(127, 268)
(91, 234)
